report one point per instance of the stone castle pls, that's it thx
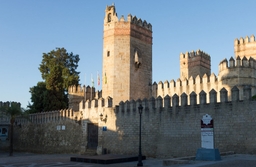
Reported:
(127, 66)
(107, 121)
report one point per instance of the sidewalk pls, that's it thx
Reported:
(30, 159)
(235, 160)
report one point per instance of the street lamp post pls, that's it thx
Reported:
(140, 156)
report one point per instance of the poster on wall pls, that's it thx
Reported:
(207, 134)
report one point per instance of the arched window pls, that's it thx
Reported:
(137, 59)
(109, 17)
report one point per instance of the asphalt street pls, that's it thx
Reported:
(47, 160)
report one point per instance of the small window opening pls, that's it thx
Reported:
(109, 17)
(108, 53)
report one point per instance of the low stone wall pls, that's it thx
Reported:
(4, 145)
(64, 136)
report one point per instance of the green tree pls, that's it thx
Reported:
(12, 111)
(38, 97)
(60, 62)
(58, 70)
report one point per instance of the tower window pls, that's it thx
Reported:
(108, 53)
(137, 59)
(109, 17)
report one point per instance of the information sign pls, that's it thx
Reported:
(207, 135)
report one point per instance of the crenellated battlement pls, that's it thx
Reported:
(180, 86)
(8, 103)
(76, 90)
(245, 47)
(97, 106)
(186, 82)
(194, 63)
(66, 114)
(192, 54)
(111, 16)
(136, 21)
(171, 102)
(49, 116)
(238, 62)
(245, 40)
(79, 93)
(4, 104)
(96, 103)
(235, 72)
(139, 22)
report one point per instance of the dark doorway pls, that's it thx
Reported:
(92, 136)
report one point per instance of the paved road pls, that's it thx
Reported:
(63, 160)
(47, 160)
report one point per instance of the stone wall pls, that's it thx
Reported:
(53, 137)
(194, 63)
(170, 127)
(49, 132)
(175, 131)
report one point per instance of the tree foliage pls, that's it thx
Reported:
(60, 65)
(38, 97)
(58, 70)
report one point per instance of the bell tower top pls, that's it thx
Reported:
(110, 14)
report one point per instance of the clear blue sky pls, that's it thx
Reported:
(29, 28)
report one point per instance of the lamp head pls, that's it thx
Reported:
(140, 108)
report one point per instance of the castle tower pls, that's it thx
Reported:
(127, 57)
(75, 96)
(245, 47)
(194, 63)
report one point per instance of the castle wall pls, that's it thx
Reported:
(245, 47)
(75, 95)
(206, 83)
(78, 93)
(168, 129)
(194, 63)
(49, 132)
(141, 71)
(239, 72)
(53, 137)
